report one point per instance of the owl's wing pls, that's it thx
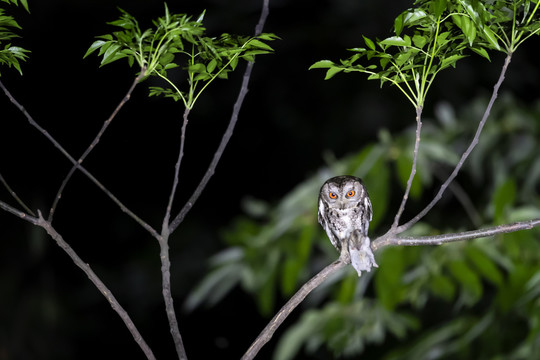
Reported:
(322, 216)
(368, 207)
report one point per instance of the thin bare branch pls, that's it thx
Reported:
(413, 169)
(293, 302)
(228, 132)
(10, 209)
(377, 244)
(164, 250)
(14, 195)
(461, 236)
(165, 227)
(465, 155)
(75, 163)
(107, 122)
(98, 283)
(47, 226)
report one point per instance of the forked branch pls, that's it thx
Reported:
(75, 163)
(465, 155)
(228, 132)
(377, 244)
(106, 124)
(413, 168)
(47, 226)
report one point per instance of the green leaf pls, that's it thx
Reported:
(369, 43)
(347, 288)
(197, 68)
(331, 72)
(491, 38)
(503, 199)
(395, 41)
(467, 278)
(322, 64)
(419, 41)
(482, 52)
(451, 61)
(214, 286)
(437, 7)
(404, 166)
(484, 265)
(259, 44)
(109, 55)
(96, 45)
(211, 65)
(442, 286)
(388, 278)
(467, 27)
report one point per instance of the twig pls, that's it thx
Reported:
(377, 244)
(293, 302)
(80, 167)
(461, 236)
(47, 226)
(98, 283)
(10, 209)
(228, 132)
(165, 226)
(413, 169)
(107, 122)
(465, 155)
(18, 199)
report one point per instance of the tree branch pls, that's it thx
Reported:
(413, 169)
(14, 195)
(10, 209)
(228, 132)
(446, 238)
(465, 155)
(293, 302)
(99, 284)
(168, 299)
(107, 122)
(75, 163)
(377, 244)
(165, 226)
(47, 226)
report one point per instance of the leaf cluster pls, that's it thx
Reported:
(177, 40)
(433, 36)
(11, 55)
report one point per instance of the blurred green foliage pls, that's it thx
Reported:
(452, 301)
(456, 300)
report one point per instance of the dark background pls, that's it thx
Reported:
(290, 118)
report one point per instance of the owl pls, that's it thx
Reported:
(345, 212)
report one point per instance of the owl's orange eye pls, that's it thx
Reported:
(332, 195)
(351, 193)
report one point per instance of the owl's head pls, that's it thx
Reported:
(343, 192)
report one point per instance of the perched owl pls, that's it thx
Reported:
(344, 213)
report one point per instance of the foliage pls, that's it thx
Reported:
(176, 35)
(486, 285)
(11, 55)
(433, 36)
